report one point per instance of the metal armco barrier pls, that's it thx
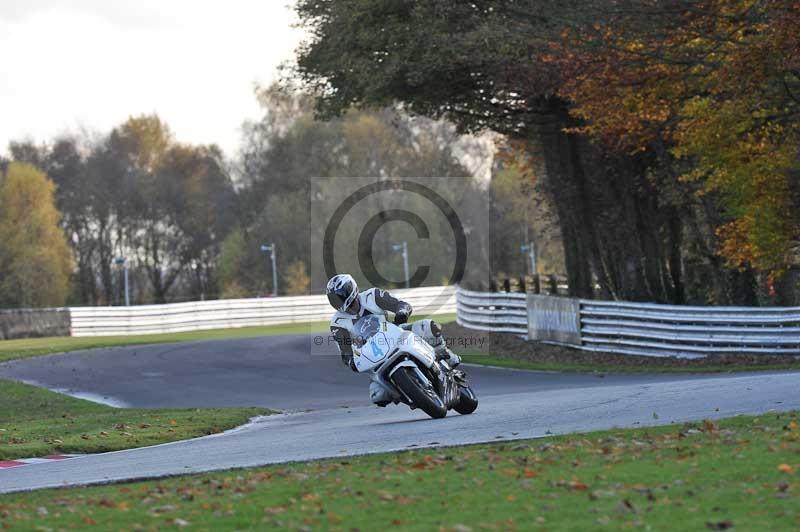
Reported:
(689, 332)
(634, 328)
(231, 313)
(492, 311)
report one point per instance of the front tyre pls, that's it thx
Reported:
(467, 401)
(420, 392)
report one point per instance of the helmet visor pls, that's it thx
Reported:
(342, 298)
(336, 300)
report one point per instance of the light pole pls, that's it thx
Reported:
(124, 262)
(530, 248)
(404, 248)
(271, 249)
(199, 276)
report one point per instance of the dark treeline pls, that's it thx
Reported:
(666, 138)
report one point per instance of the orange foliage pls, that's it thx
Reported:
(719, 82)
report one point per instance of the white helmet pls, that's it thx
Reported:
(342, 291)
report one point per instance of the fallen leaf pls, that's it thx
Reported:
(720, 525)
(785, 468)
(577, 485)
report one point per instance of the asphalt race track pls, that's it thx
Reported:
(328, 412)
(272, 371)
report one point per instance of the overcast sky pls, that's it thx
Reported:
(71, 64)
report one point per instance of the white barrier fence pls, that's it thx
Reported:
(635, 328)
(232, 313)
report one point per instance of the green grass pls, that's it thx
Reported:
(567, 367)
(38, 422)
(29, 347)
(743, 472)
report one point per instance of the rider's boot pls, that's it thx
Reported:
(378, 393)
(444, 353)
(431, 332)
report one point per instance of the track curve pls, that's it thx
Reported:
(330, 414)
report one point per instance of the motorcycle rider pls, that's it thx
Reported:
(351, 305)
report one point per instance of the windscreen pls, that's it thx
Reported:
(365, 328)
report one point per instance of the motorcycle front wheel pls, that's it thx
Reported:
(467, 401)
(420, 392)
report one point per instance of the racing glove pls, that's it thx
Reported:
(402, 315)
(349, 361)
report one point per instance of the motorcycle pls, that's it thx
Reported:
(407, 366)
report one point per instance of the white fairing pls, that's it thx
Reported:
(387, 342)
(372, 353)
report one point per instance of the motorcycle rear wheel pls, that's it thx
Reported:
(422, 394)
(467, 401)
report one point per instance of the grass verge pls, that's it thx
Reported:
(511, 351)
(37, 422)
(29, 347)
(571, 367)
(742, 472)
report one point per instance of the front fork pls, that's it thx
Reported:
(447, 382)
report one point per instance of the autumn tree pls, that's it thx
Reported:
(714, 84)
(35, 262)
(521, 214)
(296, 279)
(288, 148)
(480, 65)
(138, 193)
(597, 90)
